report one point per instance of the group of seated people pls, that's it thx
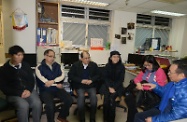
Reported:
(17, 83)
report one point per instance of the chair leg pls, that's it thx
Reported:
(121, 106)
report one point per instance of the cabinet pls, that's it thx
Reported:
(47, 23)
(2, 46)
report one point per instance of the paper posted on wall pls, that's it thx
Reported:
(96, 43)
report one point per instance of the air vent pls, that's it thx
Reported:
(143, 19)
(162, 21)
(99, 14)
(72, 11)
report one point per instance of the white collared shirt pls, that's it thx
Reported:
(85, 65)
(20, 64)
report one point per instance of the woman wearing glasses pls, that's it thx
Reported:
(152, 73)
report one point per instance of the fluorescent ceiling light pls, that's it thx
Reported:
(167, 13)
(87, 2)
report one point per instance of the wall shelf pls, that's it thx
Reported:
(49, 23)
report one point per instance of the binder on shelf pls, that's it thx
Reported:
(41, 36)
(52, 36)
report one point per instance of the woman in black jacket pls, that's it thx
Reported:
(113, 85)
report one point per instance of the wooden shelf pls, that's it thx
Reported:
(49, 23)
(48, 17)
(48, 2)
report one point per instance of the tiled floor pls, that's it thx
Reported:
(120, 114)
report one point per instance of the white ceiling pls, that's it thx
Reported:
(145, 6)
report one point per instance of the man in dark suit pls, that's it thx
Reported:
(84, 75)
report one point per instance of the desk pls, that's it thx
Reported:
(129, 75)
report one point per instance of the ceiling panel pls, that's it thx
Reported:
(130, 2)
(173, 8)
(182, 4)
(137, 10)
(153, 5)
(171, 1)
(114, 7)
(104, 1)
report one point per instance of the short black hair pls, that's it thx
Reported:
(47, 51)
(182, 66)
(15, 50)
(83, 53)
(150, 59)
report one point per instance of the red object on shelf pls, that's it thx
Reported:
(96, 48)
(162, 60)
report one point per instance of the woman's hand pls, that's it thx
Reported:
(139, 86)
(148, 119)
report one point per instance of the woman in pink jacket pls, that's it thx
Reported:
(152, 73)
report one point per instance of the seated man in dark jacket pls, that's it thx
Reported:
(83, 75)
(49, 77)
(17, 83)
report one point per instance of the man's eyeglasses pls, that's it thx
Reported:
(51, 56)
(169, 72)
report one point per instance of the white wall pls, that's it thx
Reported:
(119, 20)
(178, 36)
(27, 37)
(184, 43)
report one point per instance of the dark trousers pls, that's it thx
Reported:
(22, 106)
(131, 104)
(81, 103)
(109, 107)
(48, 98)
(140, 117)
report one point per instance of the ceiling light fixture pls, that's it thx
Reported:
(167, 13)
(87, 2)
